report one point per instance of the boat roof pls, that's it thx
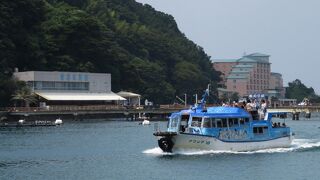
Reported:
(223, 112)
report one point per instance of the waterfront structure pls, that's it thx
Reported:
(56, 87)
(133, 99)
(251, 74)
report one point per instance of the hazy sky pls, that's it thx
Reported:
(288, 30)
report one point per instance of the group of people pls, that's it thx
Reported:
(275, 125)
(251, 106)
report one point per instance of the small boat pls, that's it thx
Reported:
(145, 122)
(144, 119)
(58, 121)
(222, 129)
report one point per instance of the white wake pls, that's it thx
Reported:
(297, 144)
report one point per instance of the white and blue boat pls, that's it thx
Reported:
(222, 129)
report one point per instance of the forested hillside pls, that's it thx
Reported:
(142, 48)
(297, 90)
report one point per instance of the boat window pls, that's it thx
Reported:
(235, 121)
(196, 121)
(219, 123)
(241, 121)
(224, 122)
(260, 130)
(184, 123)
(184, 120)
(206, 123)
(213, 122)
(184, 117)
(174, 121)
(230, 122)
(209, 122)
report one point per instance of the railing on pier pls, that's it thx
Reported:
(64, 108)
(89, 108)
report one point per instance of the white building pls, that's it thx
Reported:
(70, 86)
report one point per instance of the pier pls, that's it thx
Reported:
(297, 110)
(88, 112)
(128, 113)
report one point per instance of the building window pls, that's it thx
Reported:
(54, 85)
(80, 77)
(61, 77)
(234, 87)
(74, 77)
(68, 77)
(234, 81)
(86, 77)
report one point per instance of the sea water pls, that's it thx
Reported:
(126, 150)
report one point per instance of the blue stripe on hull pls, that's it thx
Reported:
(236, 141)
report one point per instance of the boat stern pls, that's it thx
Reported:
(165, 140)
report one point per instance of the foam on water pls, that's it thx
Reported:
(297, 145)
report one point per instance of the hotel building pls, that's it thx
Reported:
(251, 74)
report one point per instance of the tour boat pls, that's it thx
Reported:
(222, 129)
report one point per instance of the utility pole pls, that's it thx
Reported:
(196, 98)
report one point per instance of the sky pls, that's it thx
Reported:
(287, 30)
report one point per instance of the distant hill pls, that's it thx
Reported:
(142, 48)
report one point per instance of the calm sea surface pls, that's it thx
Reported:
(126, 150)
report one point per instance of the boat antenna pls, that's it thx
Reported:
(203, 100)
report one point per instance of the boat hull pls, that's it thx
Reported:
(190, 141)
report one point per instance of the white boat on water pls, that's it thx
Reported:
(222, 129)
(145, 122)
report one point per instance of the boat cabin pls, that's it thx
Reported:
(225, 123)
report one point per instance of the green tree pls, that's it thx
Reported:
(24, 96)
(142, 48)
(297, 90)
(7, 86)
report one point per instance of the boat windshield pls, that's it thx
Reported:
(174, 122)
